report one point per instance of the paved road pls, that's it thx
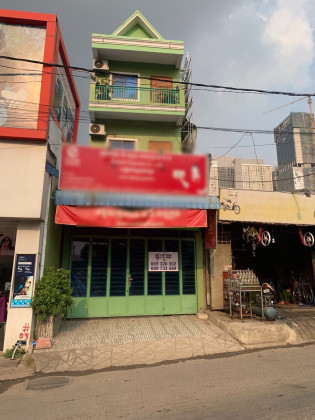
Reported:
(269, 384)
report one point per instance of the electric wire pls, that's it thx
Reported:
(185, 83)
(206, 87)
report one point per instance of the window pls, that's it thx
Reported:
(160, 146)
(122, 144)
(124, 86)
(162, 90)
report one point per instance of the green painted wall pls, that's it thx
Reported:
(66, 249)
(143, 132)
(137, 32)
(199, 273)
(53, 239)
(145, 69)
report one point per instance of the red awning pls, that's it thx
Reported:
(121, 218)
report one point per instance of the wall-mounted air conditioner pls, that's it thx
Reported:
(100, 65)
(97, 129)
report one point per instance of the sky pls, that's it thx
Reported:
(261, 44)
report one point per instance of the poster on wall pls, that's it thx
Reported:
(23, 280)
(64, 104)
(163, 261)
(7, 242)
(21, 81)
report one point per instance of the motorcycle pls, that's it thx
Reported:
(270, 311)
(228, 204)
(268, 291)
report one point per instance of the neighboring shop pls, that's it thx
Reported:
(271, 233)
(29, 167)
(7, 246)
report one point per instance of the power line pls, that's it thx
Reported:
(203, 85)
(231, 148)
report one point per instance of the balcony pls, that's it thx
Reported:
(136, 103)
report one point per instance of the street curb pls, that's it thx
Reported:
(254, 335)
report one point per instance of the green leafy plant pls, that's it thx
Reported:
(18, 353)
(52, 294)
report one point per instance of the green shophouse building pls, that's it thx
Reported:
(135, 104)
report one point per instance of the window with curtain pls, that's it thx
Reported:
(124, 86)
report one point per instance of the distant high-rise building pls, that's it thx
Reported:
(294, 140)
(253, 174)
(232, 172)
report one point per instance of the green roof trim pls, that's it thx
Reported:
(133, 48)
(137, 20)
(180, 112)
(173, 41)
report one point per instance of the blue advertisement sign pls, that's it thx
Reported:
(23, 280)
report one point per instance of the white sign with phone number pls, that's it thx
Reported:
(163, 261)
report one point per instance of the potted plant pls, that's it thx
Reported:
(103, 89)
(51, 298)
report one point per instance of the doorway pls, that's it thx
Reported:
(110, 277)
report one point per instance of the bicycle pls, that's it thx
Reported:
(303, 293)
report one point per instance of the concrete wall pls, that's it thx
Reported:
(22, 169)
(28, 241)
(218, 259)
(143, 132)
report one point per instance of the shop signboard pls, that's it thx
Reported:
(23, 280)
(266, 207)
(124, 171)
(21, 81)
(211, 231)
(114, 217)
(163, 261)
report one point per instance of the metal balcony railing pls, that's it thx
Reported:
(143, 95)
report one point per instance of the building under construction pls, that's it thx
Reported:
(294, 139)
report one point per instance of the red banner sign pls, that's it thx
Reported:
(211, 231)
(113, 217)
(98, 169)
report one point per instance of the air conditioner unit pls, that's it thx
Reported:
(100, 65)
(97, 129)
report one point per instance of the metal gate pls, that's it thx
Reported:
(110, 277)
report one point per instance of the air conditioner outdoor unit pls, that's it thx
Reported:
(97, 129)
(100, 65)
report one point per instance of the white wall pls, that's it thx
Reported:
(219, 257)
(28, 241)
(22, 170)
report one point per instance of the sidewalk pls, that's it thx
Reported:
(13, 369)
(94, 344)
(255, 333)
(295, 326)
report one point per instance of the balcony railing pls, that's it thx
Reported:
(143, 95)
